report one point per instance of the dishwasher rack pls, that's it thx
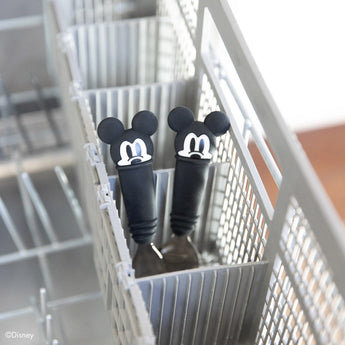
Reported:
(273, 270)
(43, 228)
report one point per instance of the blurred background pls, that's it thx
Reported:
(298, 47)
(31, 119)
(44, 242)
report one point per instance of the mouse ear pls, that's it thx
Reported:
(217, 122)
(145, 122)
(180, 118)
(110, 129)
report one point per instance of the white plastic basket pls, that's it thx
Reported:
(288, 255)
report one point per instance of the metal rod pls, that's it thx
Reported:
(48, 329)
(13, 314)
(43, 303)
(12, 229)
(11, 109)
(32, 224)
(43, 250)
(29, 211)
(75, 299)
(43, 105)
(39, 206)
(21, 22)
(52, 304)
(266, 154)
(72, 199)
(30, 196)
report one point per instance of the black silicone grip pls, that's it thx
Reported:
(189, 187)
(137, 187)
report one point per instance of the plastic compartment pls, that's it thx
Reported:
(128, 52)
(143, 75)
(210, 227)
(145, 80)
(125, 102)
(203, 306)
(182, 305)
(79, 12)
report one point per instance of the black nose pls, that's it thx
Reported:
(136, 161)
(195, 156)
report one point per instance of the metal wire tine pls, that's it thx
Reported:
(48, 329)
(39, 206)
(5, 118)
(11, 109)
(43, 105)
(11, 228)
(43, 303)
(29, 211)
(72, 200)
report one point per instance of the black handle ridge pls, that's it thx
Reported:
(188, 191)
(137, 187)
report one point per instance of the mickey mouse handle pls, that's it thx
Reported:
(132, 151)
(194, 144)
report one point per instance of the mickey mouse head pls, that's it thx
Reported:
(196, 139)
(131, 146)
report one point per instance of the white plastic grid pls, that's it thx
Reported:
(123, 309)
(189, 8)
(313, 276)
(185, 52)
(100, 61)
(124, 102)
(201, 306)
(148, 53)
(283, 320)
(111, 255)
(243, 231)
(80, 12)
(217, 68)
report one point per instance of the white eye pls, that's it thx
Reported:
(132, 153)
(196, 147)
(204, 144)
(125, 150)
(190, 142)
(138, 148)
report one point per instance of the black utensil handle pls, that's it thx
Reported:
(189, 188)
(138, 191)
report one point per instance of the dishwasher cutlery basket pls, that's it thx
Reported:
(273, 271)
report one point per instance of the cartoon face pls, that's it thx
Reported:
(133, 153)
(195, 139)
(197, 147)
(132, 146)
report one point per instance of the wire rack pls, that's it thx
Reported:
(43, 228)
(273, 271)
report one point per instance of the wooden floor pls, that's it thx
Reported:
(325, 149)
